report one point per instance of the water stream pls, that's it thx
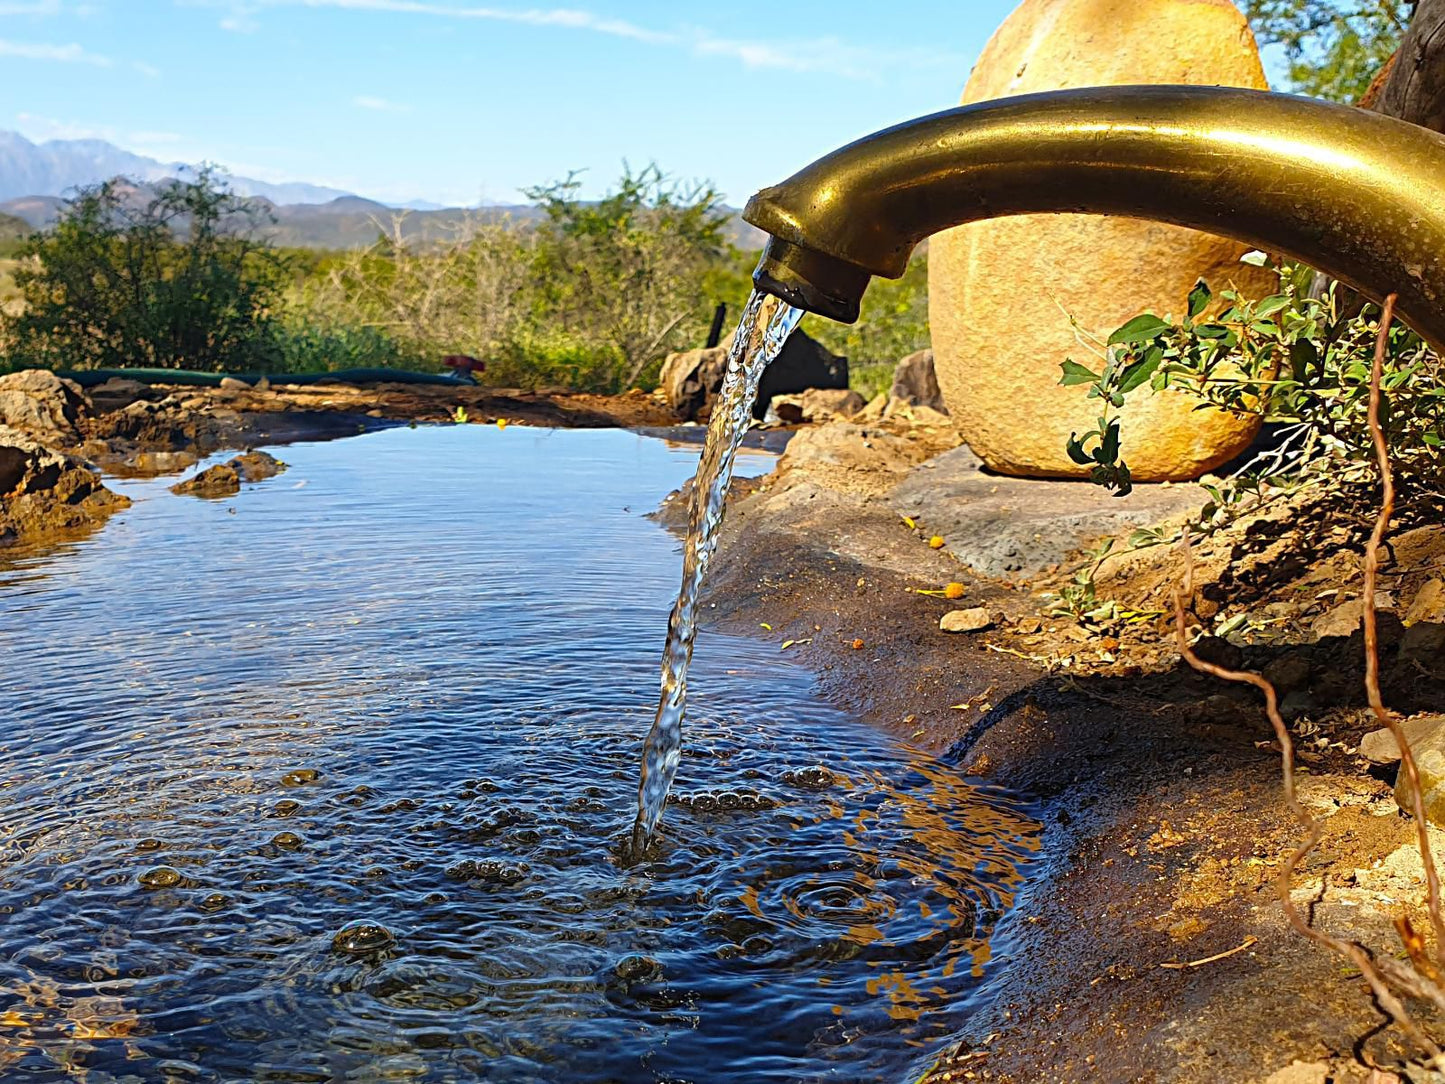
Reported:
(765, 326)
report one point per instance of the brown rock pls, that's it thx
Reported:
(41, 404)
(973, 620)
(1429, 604)
(1380, 747)
(1000, 291)
(691, 379)
(255, 466)
(1430, 760)
(915, 382)
(44, 492)
(817, 405)
(1300, 1072)
(221, 480)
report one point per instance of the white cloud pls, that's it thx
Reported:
(68, 54)
(40, 128)
(824, 55)
(150, 71)
(378, 105)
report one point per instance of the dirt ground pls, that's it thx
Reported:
(1151, 946)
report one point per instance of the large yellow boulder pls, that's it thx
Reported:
(1001, 291)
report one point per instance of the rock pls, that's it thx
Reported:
(255, 466)
(841, 448)
(221, 480)
(1429, 604)
(41, 404)
(224, 479)
(118, 393)
(973, 620)
(1343, 620)
(230, 383)
(1379, 746)
(1219, 652)
(692, 378)
(817, 405)
(44, 492)
(1300, 1072)
(1423, 643)
(1289, 673)
(916, 383)
(1012, 526)
(1430, 760)
(1001, 291)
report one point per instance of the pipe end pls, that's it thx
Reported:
(811, 281)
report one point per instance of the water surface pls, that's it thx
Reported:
(328, 782)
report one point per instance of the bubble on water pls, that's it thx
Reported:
(362, 939)
(286, 807)
(487, 871)
(300, 777)
(161, 877)
(288, 841)
(815, 778)
(148, 845)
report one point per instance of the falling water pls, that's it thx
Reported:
(766, 324)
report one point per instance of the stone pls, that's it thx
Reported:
(1343, 620)
(230, 383)
(692, 378)
(256, 466)
(1430, 760)
(221, 480)
(1001, 291)
(915, 382)
(1007, 527)
(44, 492)
(975, 619)
(1423, 644)
(37, 402)
(160, 462)
(1380, 747)
(817, 405)
(1428, 605)
(1300, 1072)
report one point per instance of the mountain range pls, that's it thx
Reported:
(35, 178)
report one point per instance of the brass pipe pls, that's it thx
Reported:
(1357, 195)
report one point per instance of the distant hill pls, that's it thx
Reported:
(35, 178)
(12, 228)
(59, 166)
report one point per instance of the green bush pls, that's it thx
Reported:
(1334, 47)
(172, 280)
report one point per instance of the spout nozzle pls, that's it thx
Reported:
(812, 280)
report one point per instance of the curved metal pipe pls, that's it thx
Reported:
(1357, 195)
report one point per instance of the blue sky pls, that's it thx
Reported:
(461, 101)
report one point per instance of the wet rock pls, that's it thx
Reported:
(817, 405)
(1430, 759)
(362, 939)
(690, 380)
(1379, 746)
(42, 405)
(916, 383)
(631, 969)
(44, 492)
(975, 619)
(816, 777)
(300, 777)
(256, 466)
(1428, 605)
(286, 807)
(487, 872)
(218, 481)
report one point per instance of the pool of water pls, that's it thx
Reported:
(328, 781)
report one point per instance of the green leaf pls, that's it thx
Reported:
(1142, 370)
(1199, 299)
(1109, 447)
(1074, 373)
(1270, 305)
(1077, 453)
(1140, 329)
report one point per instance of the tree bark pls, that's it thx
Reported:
(1414, 87)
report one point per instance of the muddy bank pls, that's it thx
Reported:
(1151, 946)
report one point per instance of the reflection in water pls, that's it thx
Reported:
(333, 788)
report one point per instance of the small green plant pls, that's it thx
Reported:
(1293, 358)
(460, 416)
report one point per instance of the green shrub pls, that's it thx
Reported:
(172, 280)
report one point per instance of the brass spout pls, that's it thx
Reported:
(1355, 194)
